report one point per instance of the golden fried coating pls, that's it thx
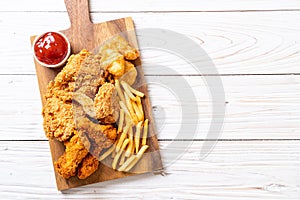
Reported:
(113, 62)
(75, 151)
(91, 76)
(87, 167)
(57, 112)
(106, 104)
(130, 73)
(100, 136)
(113, 54)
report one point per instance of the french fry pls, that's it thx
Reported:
(127, 90)
(113, 154)
(130, 133)
(122, 138)
(132, 148)
(132, 90)
(137, 158)
(129, 148)
(119, 90)
(121, 121)
(115, 161)
(137, 136)
(107, 153)
(128, 121)
(122, 160)
(139, 104)
(130, 145)
(127, 162)
(123, 106)
(130, 108)
(145, 132)
(137, 111)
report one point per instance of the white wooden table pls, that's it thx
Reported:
(255, 46)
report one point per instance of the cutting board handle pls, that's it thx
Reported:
(78, 11)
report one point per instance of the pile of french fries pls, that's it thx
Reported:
(132, 129)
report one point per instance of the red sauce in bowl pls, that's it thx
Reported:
(51, 48)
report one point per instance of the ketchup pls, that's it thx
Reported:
(51, 48)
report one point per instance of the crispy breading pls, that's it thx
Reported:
(100, 136)
(113, 54)
(130, 73)
(106, 104)
(75, 151)
(57, 111)
(113, 62)
(91, 76)
(87, 167)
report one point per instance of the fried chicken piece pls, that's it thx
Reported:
(106, 104)
(91, 76)
(113, 62)
(87, 167)
(130, 73)
(57, 112)
(75, 151)
(100, 136)
(113, 54)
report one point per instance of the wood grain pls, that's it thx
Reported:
(233, 170)
(83, 34)
(157, 5)
(238, 43)
(258, 107)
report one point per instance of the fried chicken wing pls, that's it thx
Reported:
(87, 167)
(75, 151)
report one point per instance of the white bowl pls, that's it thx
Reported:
(58, 64)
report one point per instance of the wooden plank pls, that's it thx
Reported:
(258, 107)
(233, 170)
(238, 43)
(83, 34)
(156, 5)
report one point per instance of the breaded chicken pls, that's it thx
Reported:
(75, 151)
(100, 136)
(130, 73)
(57, 111)
(106, 104)
(91, 76)
(113, 62)
(87, 167)
(114, 53)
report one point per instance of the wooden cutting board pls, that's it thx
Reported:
(85, 34)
